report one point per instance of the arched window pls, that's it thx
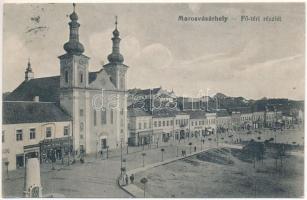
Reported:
(66, 76)
(81, 77)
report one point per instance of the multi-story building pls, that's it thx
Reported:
(246, 120)
(223, 121)
(182, 129)
(34, 129)
(139, 127)
(163, 124)
(258, 119)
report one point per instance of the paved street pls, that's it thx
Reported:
(98, 177)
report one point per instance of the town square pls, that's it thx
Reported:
(102, 103)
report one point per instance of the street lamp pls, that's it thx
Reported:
(162, 151)
(107, 152)
(144, 181)
(143, 154)
(127, 147)
(190, 147)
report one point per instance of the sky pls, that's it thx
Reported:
(249, 59)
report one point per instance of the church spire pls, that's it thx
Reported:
(73, 46)
(29, 72)
(115, 56)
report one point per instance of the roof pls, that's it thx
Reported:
(47, 88)
(222, 113)
(242, 110)
(164, 113)
(17, 112)
(137, 112)
(196, 114)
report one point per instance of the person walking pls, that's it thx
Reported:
(127, 181)
(132, 178)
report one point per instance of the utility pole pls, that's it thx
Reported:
(121, 156)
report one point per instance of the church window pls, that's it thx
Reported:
(140, 125)
(103, 116)
(81, 126)
(81, 112)
(111, 116)
(81, 77)
(66, 76)
(95, 118)
(145, 125)
(122, 83)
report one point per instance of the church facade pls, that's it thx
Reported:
(95, 101)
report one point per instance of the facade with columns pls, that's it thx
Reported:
(95, 101)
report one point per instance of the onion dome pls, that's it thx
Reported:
(73, 46)
(116, 56)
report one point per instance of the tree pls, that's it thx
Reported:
(144, 181)
(162, 151)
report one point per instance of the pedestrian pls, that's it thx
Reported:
(194, 148)
(182, 153)
(127, 181)
(132, 178)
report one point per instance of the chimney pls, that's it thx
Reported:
(36, 99)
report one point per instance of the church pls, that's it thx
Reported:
(95, 102)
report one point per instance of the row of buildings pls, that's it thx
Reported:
(145, 127)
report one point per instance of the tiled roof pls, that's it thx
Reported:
(222, 113)
(196, 114)
(16, 112)
(137, 112)
(164, 113)
(47, 88)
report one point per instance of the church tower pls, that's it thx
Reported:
(74, 97)
(29, 74)
(74, 65)
(118, 73)
(115, 68)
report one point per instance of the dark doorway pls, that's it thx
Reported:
(19, 161)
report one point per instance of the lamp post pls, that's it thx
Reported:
(107, 152)
(121, 157)
(190, 147)
(127, 147)
(162, 151)
(143, 154)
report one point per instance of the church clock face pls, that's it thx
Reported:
(82, 62)
(67, 62)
